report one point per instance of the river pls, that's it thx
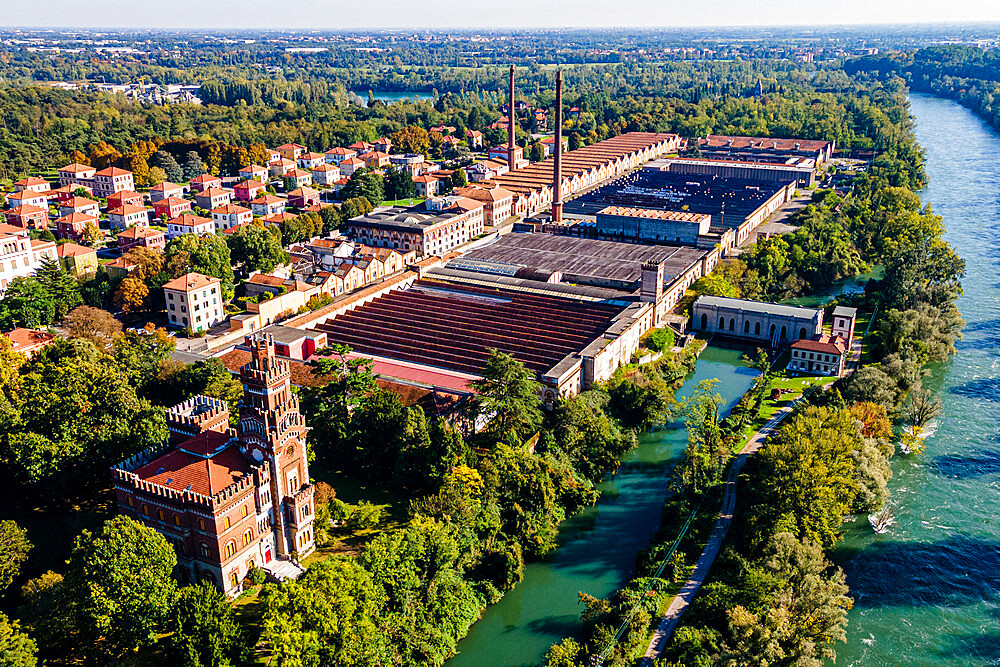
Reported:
(926, 592)
(597, 547)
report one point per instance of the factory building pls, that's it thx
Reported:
(800, 170)
(768, 323)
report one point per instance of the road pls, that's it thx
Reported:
(681, 601)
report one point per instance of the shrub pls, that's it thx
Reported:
(659, 340)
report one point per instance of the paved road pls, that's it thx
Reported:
(681, 601)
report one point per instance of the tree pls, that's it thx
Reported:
(302, 227)
(706, 449)
(17, 649)
(536, 153)
(140, 354)
(257, 248)
(459, 179)
(574, 141)
(922, 407)
(60, 285)
(871, 384)
(138, 166)
(168, 164)
(120, 580)
(205, 630)
(412, 139)
(192, 166)
(156, 176)
(207, 254)
(508, 395)
(94, 324)
(131, 295)
(92, 233)
(14, 548)
(103, 155)
(367, 184)
(353, 207)
(399, 185)
(26, 303)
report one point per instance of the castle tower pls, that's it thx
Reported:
(272, 430)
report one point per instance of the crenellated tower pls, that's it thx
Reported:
(272, 430)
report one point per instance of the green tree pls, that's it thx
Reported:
(412, 139)
(399, 185)
(508, 396)
(536, 153)
(367, 184)
(207, 254)
(17, 649)
(120, 580)
(192, 166)
(168, 164)
(14, 548)
(706, 450)
(62, 288)
(205, 630)
(26, 303)
(257, 248)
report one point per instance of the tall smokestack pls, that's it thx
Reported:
(511, 163)
(557, 202)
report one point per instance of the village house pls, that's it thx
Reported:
(128, 215)
(822, 354)
(111, 180)
(73, 225)
(253, 172)
(267, 204)
(195, 301)
(212, 198)
(230, 215)
(302, 197)
(296, 178)
(67, 192)
(351, 165)
(141, 237)
(326, 174)
(291, 151)
(27, 216)
(360, 147)
(427, 185)
(80, 205)
(165, 190)
(229, 500)
(474, 138)
(338, 155)
(311, 160)
(278, 168)
(28, 342)
(171, 207)
(77, 259)
(382, 145)
(123, 198)
(248, 190)
(205, 182)
(76, 174)
(375, 160)
(20, 256)
(32, 184)
(189, 223)
(29, 198)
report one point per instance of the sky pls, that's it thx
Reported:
(346, 14)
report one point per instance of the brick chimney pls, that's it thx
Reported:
(511, 163)
(557, 202)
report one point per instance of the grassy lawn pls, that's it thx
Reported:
(410, 201)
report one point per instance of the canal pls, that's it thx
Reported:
(926, 592)
(598, 547)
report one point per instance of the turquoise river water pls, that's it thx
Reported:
(926, 592)
(598, 547)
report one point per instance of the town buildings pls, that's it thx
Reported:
(20, 256)
(189, 223)
(769, 323)
(821, 354)
(165, 190)
(77, 259)
(433, 228)
(194, 301)
(143, 237)
(229, 500)
(231, 215)
(108, 181)
(128, 215)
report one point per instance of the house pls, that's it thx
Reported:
(303, 196)
(67, 192)
(360, 147)
(28, 341)
(142, 237)
(111, 180)
(427, 186)
(498, 203)
(382, 145)
(549, 144)
(76, 174)
(474, 138)
(771, 323)
(351, 165)
(435, 227)
(451, 140)
(20, 255)
(293, 343)
(229, 500)
(280, 167)
(27, 216)
(311, 160)
(195, 301)
(375, 159)
(165, 190)
(411, 163)
(253, 172)
(213, 197)
(291, 151)
(189, 223)
(32, 184)
(171, 207)
(248, 190)
(77, 259)
(486, 170)
(80, 205)
(443, 130)
(326, 174)
(297, 178)
(277, 219)
(119, 268)
(501, 152)
(268, 204)
(125, 197)
(842, 324)
(29, 198)
(230, 215)
(204, 182)
(128, 215)
(73, 225)
(822, 354)
(338, 185)
(338, 155)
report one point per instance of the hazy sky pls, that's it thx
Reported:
(334, 14)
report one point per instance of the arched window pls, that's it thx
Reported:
(201, 524)
(177, 519)
(234, 578)
(230, 549)
(722, 323)
(772, 331)
(802, 332)
(247, 537)
(159, 514)
(756, 329)
(226, 523)
(746, 327)
(204, 550)
(784, 332)
(704, 325)
(245, 510)
(732, 324)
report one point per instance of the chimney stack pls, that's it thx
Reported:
(557, 202)
(511, 163)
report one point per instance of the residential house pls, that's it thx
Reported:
(361, 147)
(326, 174)
(20, 256)
(29, 198)
(27, 216)
(67, 192)
(205, 182)
(253, 172)
(33, 184)
(382, 145)
(76, 174)
(29, 341)
(474, 138)
(822, 354)
(498, 203)
(311, 160)
(77, 259)
(73, 225)
(212, 198)
(549, 144)
(165, 190)
(80, 205)
(125, 197)
(195, 301)
(486, 170)
(338, 155)
(277, 219)
(268, 204)
(189, 223)
(248, 190)
(171, 207)
(119, 268)
(302, 197)
(291, 151)
(351, 165)
(230, 215)
(427, 185)
(128, 215)
(443, 130)
(280, 167)
(297, 178)
(142, 237)
(111, 180)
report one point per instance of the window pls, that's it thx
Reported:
(201, 524)
(145, 510)
(746, 327)
(722, 323)
(177, 519)
(234, 578)
(159, 515)
(204, 550)
(247, 537)
(245, 510)
(802, 332)
(227, 523)
(230, 549)
(131, 503)
(756, 329)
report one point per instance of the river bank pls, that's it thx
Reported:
(926, 592)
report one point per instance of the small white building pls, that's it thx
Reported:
(820, 355)
(189, 223)
(127, 215)
(195, 301)
(20, 256)
(230, 215)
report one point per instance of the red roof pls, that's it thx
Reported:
(76, 168)
(821, 343)
(74, 250)
(203, 464)
(205, 178)
(190, 281)
(28, 340)
(114, 171)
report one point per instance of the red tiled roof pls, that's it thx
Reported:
(74, 250)
(821, 343)
(190, 281)
(166, 185)
(114, 171)
(75, 168)
(193, 465)
(205, 178)
(28, 339)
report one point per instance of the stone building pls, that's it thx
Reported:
(229, 500)
(769, 323)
